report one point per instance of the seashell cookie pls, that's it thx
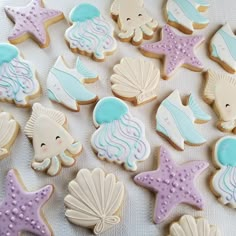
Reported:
(94, 200)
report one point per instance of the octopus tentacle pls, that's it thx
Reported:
(41, 166)
(152, 24)
(147, 30)
(66, 160)
(54, 167)
(126, 34)
(138, 35)
(75, 148)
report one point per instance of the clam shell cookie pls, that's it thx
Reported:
(52, 149)
(94, 200)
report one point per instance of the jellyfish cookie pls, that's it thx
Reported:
(134, 22)
(120, 137)
(52, 149)
(90, 34)
(18, 82)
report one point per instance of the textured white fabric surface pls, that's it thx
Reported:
(139, 203)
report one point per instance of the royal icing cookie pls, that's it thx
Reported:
(135, 80)
(8, 132)
(222, 48)
(52, 149)
(120, 137)
(220, 92)
(94, 200)
(175, 121)
(32, 21)
(172, 184)
(185, 14)
(90, 34)
(21, 211)
(190, 226)
(134, 22)
(65, 85)
(177, 50)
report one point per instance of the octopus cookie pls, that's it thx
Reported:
(134, 22)
(90, 34)
(32, 21)
(65, 85)
(172, 184)
(135, 80)
(21, 211)
(52, 149)
(175, 121)
(177, 50)
(94, 200)
(120, 137)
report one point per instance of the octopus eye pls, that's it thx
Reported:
(58, 137)
(227, 105)
(128, 19)
(43, 144)
(140, 14)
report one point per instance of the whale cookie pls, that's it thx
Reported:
(90, 34)
(134, 22)
(32, 21)
(54, 147)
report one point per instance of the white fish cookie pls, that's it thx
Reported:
(53, 145)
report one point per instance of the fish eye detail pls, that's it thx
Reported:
(43, 144)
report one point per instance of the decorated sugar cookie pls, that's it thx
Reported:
(94, 200)
(177, 50)
(175, 121)
(220, 92)
(53, 145)
(31, 21)
(135, 80)
(90, 34)
(65, 85)
(134, 22)
(22, 211)
(172, 184)
(120, 137)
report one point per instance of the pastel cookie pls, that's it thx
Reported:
(222, 48)
(52, 149)
(65, 85)
(90, 34)
(135, 80)
(22, 211)
(172, 184)
(175, 121)
(119, 137)
(220, 92)
(134, 22)
(177, 50)
(32, 21)
(94, 200)
(185, 14)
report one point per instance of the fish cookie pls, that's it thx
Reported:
(65, 85)
(173, 184)
(94, 200)
(134, 22)
(120, 137)
(220, 92)
(32, 21)
(135, 80)
(52, 149)
(90, 34)
(22, 211)
(175, 121)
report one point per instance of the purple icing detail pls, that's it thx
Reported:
(21, 210)
(178, 50)
(173, 184)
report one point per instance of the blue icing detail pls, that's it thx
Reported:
(84, 12)
(7, 53)
(171, 17)
(83, 70)
(214, 51)
(161, 129)
(202, 2)
(109, 109)
(52, 96)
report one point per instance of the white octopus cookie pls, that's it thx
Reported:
(54, 147)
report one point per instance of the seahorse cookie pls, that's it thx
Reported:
(133, 20)
(94, 200)
(32, 21)
(119, 137)
(90, 34)
(52, 149)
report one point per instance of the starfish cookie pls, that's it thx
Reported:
(173, 184)
(21, 210)
(177, 50)
(31, 21)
